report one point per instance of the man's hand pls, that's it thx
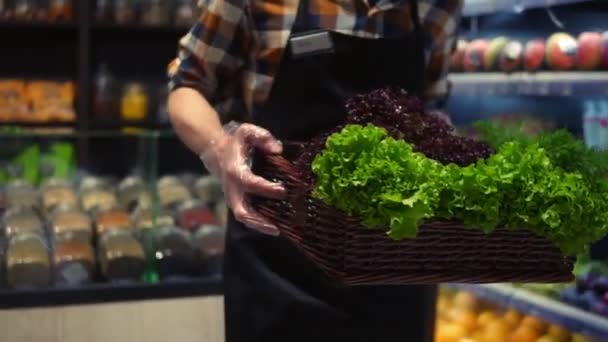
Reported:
(228, 158)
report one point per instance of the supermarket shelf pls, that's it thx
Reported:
(126, 28)
(481, 7)
(550, 310)
(16, 24)
(530, 84)
(104, 293)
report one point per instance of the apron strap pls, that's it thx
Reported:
(300, 25)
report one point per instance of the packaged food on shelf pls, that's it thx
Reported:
(185, 13)
(61, 10)
(50, 101)
(121, 256)
(210, 240)
(130, 191)
(194, 213)
(208, 189)
(125, 11)
(13, 101)
(105, 95)
(28, 262)
(174, 252)
(147, 219)
(21, 220)
(19, 193)
(171, 192)
(112, 219)
(156, 12)
(134, 104)
(93, 183)
(58, 192)
(74, 262)
(72, 224)
(98, 199)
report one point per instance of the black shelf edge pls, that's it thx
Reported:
(107, 292)
(545, 83)
(125, 28)
(22, 124)
(138, 124)
(19, 24)
(484, 7)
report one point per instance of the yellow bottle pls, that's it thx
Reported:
(134, 103)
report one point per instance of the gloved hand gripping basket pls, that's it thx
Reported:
(396, 197)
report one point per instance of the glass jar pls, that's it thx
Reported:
(56, 192)
(61, 10)
(145, 219)
(171, 192)
(121, 256)
(105, 97)
(209, 241)
(129, 192)
(74, 262)
(125, 11)
(21, 220)
(184, 13)
(208, 189)
(98, 200)
(194, 213)
(28, 262)
(174, 253)
(93, 183)
(156, 12)
(21, 194)
(112, 219)
(72, 224)
(134, 102)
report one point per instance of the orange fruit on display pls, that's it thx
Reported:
(535, 323)
(485, 318)
(497, 331)
(467, 320)
(465, 300)
(449, 332)
(512, 318)
(525, 334)
(558, 333)
(546, 338)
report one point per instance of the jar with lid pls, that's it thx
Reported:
(93, 183)
(125, 11)
(74, 262)
(171, 192)
(134, 103)
(72, 224)
(208, 189)
(121, 256)
(28, 262)
(209, 241)
(129, 191)
(112, 219)
(145, 219)
(184, 13)
(156, 12)
(174, 252)
(57, 192)
(61, 10)
(21, 220)
(105, 94)
(98, 199)
(194, 213)
(21, 194)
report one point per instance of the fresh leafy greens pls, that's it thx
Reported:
(535, 184)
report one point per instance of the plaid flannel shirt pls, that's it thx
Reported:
(233, 52)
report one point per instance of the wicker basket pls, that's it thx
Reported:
(442, 252)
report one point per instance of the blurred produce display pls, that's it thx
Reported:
(559, 52)
(527, 124)
(181, 13)
(37, 10)
(69, 233)
(590, 292)
(462, 317)
(36, 101)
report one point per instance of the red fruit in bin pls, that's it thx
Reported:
(474, 55)
(457, 57)
(604, 50)
(560, 51)
(588, 55)
(493, 51)
(534, 55)
(511, 56)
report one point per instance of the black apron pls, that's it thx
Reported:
(272, 292)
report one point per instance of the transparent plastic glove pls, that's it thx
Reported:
(228, 157)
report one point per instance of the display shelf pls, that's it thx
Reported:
(104, 293)
(530, 84)
(481, 7)
(17, 24)
(569, 317)
(122, 28)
